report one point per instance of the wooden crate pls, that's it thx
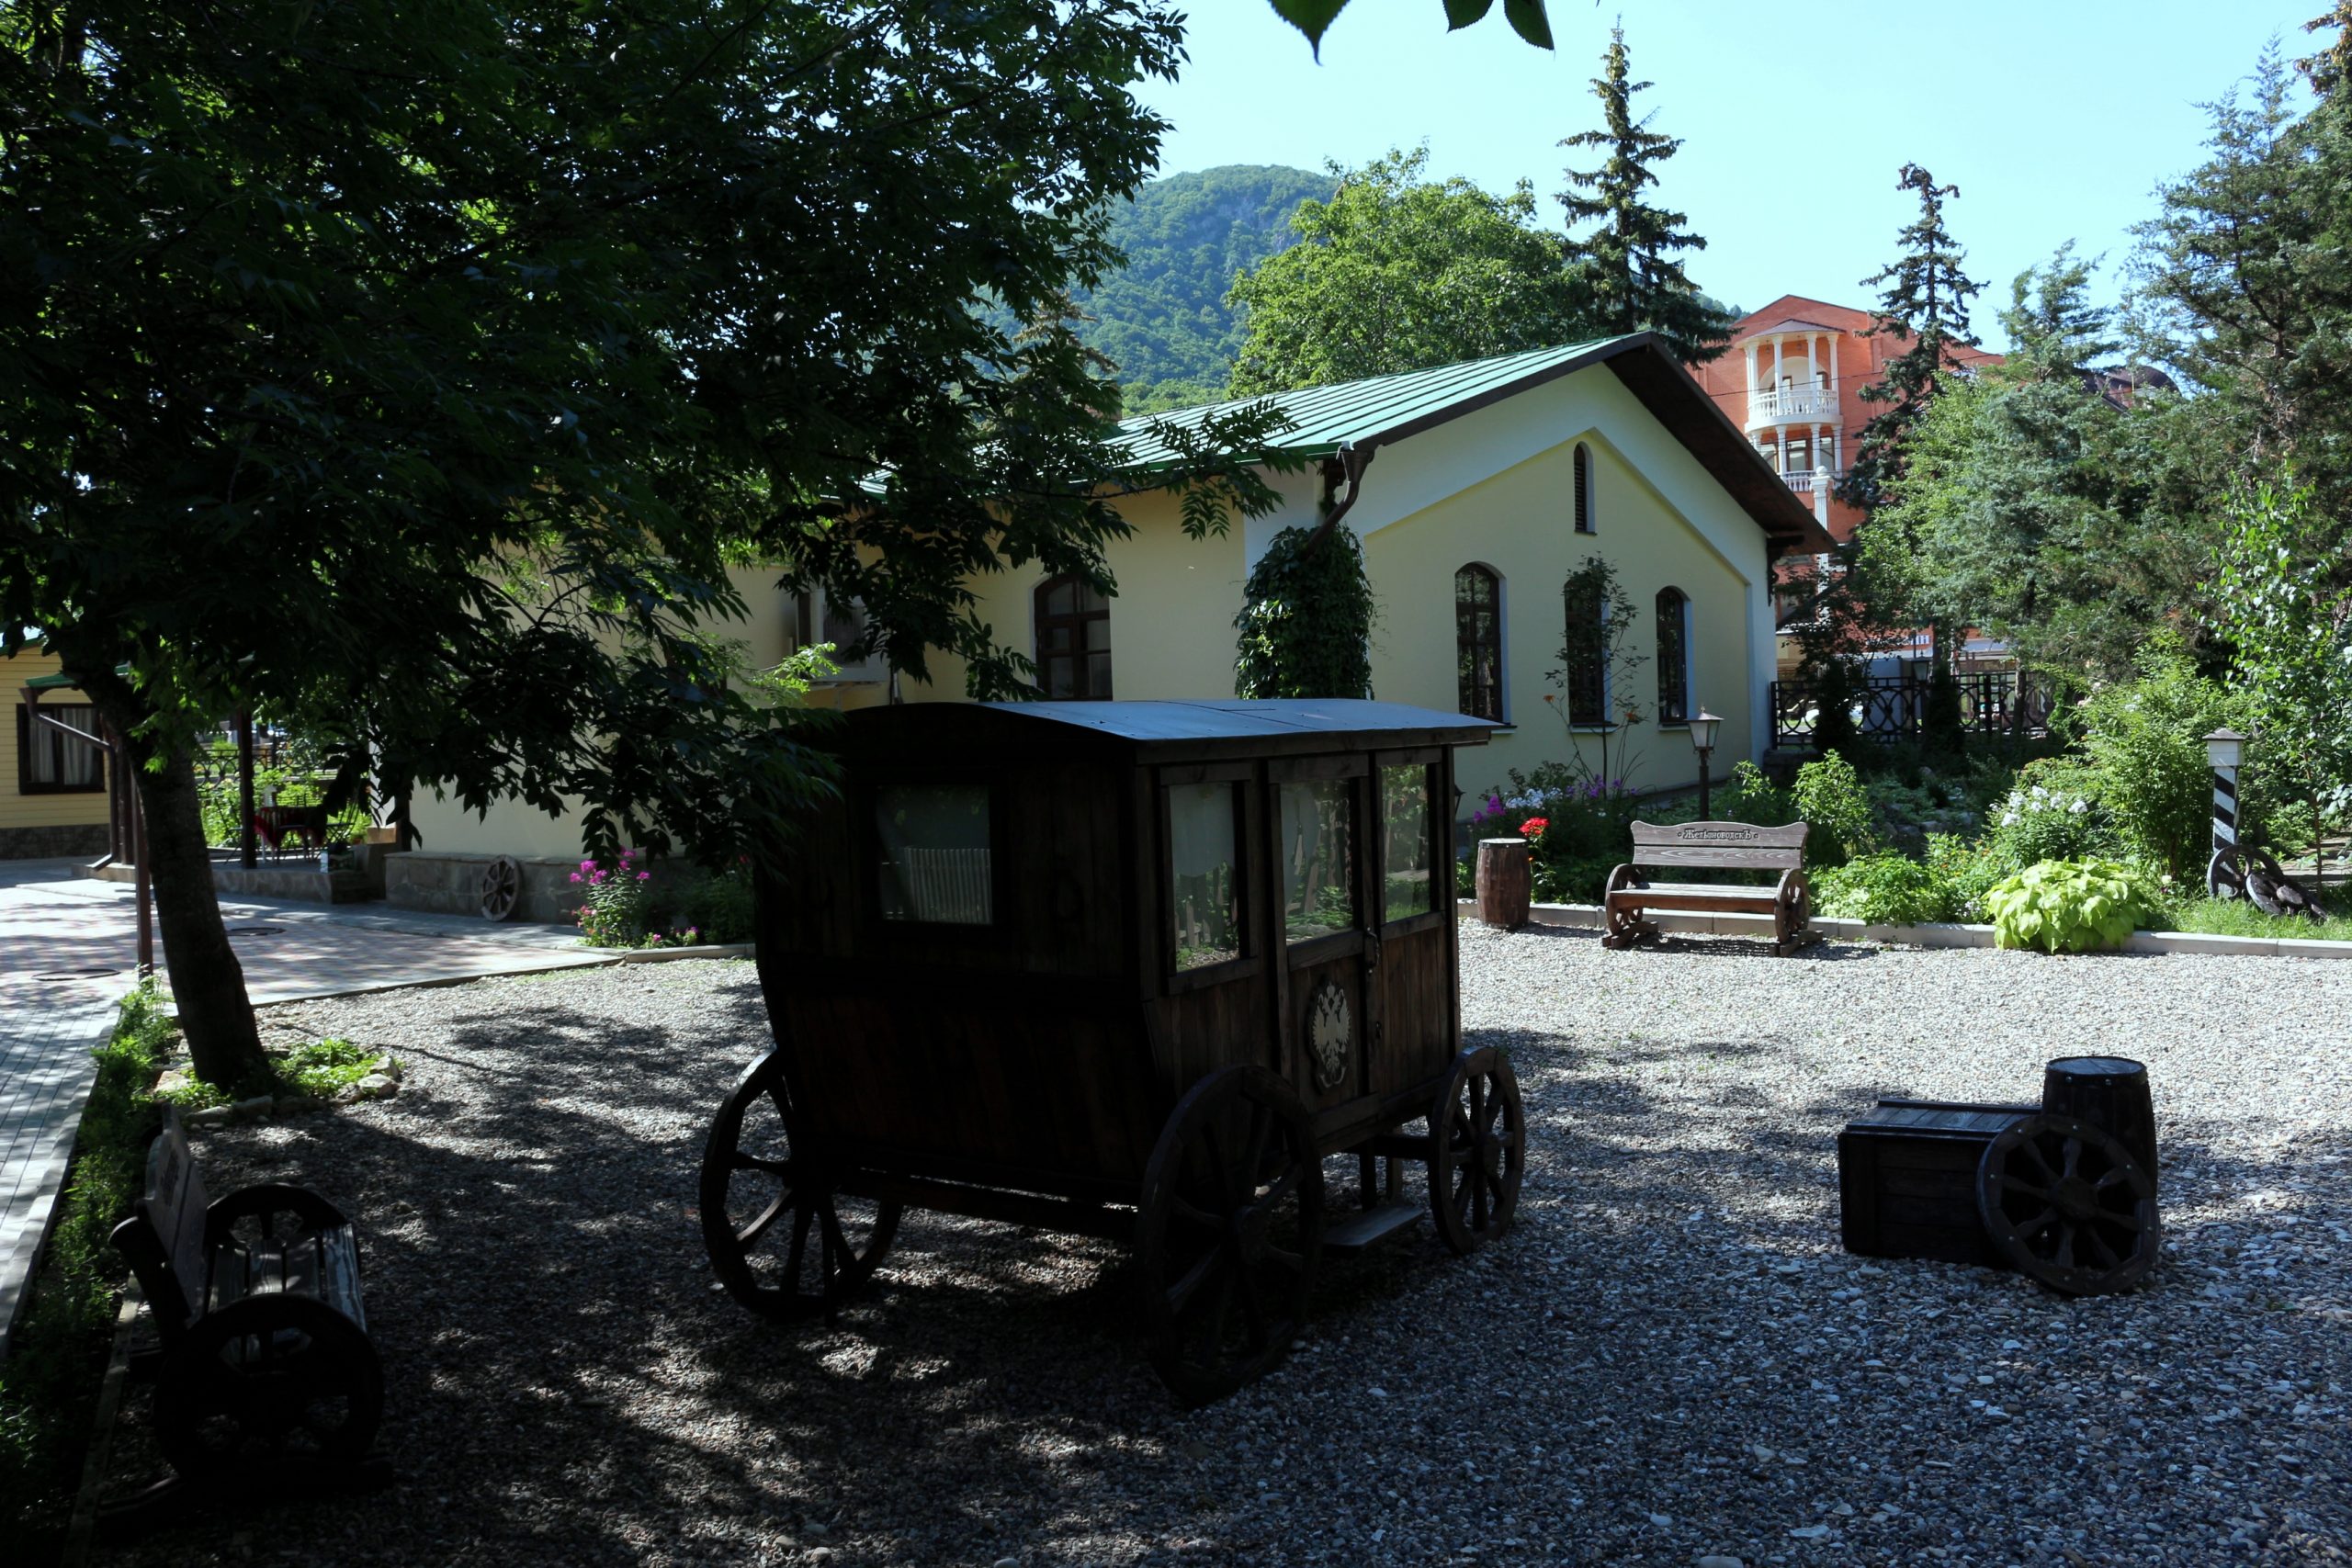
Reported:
(1906, 1179)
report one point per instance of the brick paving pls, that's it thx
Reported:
(69, 947)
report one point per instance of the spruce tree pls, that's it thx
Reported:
(1925, 307)
(1628, 261)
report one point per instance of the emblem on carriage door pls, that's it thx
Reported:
(1331, 1033)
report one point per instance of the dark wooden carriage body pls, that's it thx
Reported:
(1026, 937)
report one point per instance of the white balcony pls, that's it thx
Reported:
(1791, 405)
(1805, 482)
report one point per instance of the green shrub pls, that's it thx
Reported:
(1831, 799)
(1884, 889)
(1965, 872)
(718, 908)
(2146, 743)
(2068, 906)
(1750, 795)
(2052, 812)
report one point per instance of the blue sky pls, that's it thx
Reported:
(2056, 119)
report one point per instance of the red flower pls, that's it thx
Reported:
(1533, 826)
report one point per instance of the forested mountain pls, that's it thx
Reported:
(1164, 319)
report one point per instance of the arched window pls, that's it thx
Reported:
(1479, 641)
(1673, 656)
(1584, 487)
(1073, 638)
(1585, 651)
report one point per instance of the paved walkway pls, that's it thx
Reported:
(68, 948)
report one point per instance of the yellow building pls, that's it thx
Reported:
(53, 786)
(1476, 490)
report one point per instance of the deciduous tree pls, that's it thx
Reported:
(431, 362)
(1400, 273)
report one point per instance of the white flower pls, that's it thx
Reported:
(2008, 819)
(2039, 792)
(2079, 807)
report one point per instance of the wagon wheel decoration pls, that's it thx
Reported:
(1791, 912)
(1227, 1232)
(2067, 1204)
(1478, 1150)
(501, 887)
(276, 1378)
(782, 1240)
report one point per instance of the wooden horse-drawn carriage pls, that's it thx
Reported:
(1132, 970)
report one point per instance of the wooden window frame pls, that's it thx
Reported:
(1575, 676)
(1077, 621)
(868, 837)
(1673, 715)
(26, 732)
(1464, 642)
(1356, 769)
(1440, 849)
(1241, 777)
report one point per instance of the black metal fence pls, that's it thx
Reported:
(1895, 708)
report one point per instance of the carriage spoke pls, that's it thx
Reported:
(1179, 1294)
(803, 1215)
(1261, 1126)
(779, 1169)
(1253, 1310)
(2037, 1225)
(2074, 1155)
(2032, 1151)
(1185, 1209)
(749, 1237)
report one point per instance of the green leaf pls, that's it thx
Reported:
(1528, 21)
(1312, 18)
(1462, 13)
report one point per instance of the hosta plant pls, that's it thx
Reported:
(2067, 906)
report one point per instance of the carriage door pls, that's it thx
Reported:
(1330, 941)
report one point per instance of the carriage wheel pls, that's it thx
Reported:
(501, 887)
(1478, 1150)
(2067, 1204)
(1228, 1229)
(781, 1240)
(280, 1378)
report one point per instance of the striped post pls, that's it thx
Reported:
(2224, 748)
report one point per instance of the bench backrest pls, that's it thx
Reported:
(165, 1237)
(1721, 846)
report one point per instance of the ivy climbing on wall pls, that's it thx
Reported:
(1306, 620)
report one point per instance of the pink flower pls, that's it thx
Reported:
(645, 876)
(575, 877)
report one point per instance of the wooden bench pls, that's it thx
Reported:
(1711, 846)
(266, 1374)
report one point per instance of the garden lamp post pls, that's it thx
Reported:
(2224, 750)
(1702, 740)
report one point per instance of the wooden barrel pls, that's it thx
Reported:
(2112, 1094)
(1505, 882)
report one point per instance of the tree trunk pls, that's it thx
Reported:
(207, 983)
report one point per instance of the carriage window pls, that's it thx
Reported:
(1203, 875)
(934, 853)
(1318, 860)
(1407, 889)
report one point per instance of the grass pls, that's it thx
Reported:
(2235, 917)
(58, 1353)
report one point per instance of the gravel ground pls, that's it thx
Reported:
(1668, 1359)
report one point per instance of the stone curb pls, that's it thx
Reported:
(1588, 917)
(555, 964)
(664, 954)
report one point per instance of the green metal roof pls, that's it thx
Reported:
(53, 683)
(1346, 413)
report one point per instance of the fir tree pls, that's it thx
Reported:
(1628, 262)
(1925, 306)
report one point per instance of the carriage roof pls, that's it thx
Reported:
(1162, 730)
